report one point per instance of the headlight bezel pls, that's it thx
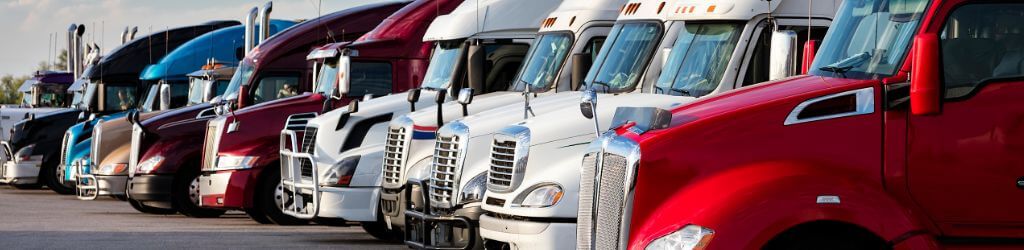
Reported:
(689, 237)
(111, 168)
(549, 200)
(474, 190)
(340, 174)
(149, 165)
(25, 154)
(233, 162)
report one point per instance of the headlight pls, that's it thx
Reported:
(544, 195)
(109, 169)
(25, 154)
(340, 175)
(690, 237)
(235, 162)
(474, 189)
(148, 165)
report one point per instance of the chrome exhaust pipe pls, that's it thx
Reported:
(250, 22)
(265, 21)
(124, 35)
(70, 58)
(135, 30)
(79, 49)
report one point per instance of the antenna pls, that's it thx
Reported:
(49, 43)
(809, 11)
(150, 40)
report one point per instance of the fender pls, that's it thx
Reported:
(185, 150)
(747, 206)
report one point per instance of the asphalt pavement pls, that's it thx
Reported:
(42, 219)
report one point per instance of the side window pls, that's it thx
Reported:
(372, 78)
(179, 94)
(276, 87)
(118, 98)
(757, 68)
(981, 42)
(501, 64)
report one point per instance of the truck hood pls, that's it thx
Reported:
(487, 122)
(453, 110)
(174, 116)
(381, 109)
(568, 122)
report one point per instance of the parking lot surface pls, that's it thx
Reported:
(41, 219)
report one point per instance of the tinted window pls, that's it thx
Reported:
(501, 63)
(372, 78)
(979, 42)
(118, 98)
(623, 57)
(275, 87)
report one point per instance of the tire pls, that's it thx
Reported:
(257, 215)
(53, 175)
(268, 198)
(379, 230)
(138, 206)
(185, 196)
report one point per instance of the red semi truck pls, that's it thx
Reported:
(243, 140)
(906, 134)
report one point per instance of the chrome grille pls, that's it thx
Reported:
(63, 149)
(442, 176)
(611, 193)
(134, 152)
(213, 129)
(297, 122)
(394, 153)
(586, 201)
(94, 154)
(308, 144)
(502, 164)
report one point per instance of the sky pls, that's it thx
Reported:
(27, 25)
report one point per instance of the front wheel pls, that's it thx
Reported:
(138, 206)
(185, 197)
(270, 197)
(54, 178)
(379, 229)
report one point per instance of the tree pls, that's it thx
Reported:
(9, 85)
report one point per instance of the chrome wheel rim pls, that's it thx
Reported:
(279, 197)
(193, 191)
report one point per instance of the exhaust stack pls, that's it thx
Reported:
(69, 65)
(134, 31)
(124, 35)
(265, 21)
(250, 22)
(79, 50)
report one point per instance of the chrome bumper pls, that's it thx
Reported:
(91, 186)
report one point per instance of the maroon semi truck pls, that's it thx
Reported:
(243, 140)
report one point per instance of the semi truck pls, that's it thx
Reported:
(170, 88)
(45, 92)
(905, 100)
(274, 87)
(110, 86)
(394, 53)
(523, 167)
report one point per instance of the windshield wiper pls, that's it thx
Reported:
(607, 87)
(842, 66)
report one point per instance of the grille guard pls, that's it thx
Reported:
(87, 185)
(292, 182)
(419, 223)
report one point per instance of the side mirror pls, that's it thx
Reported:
(413, 97)
(588, 103)
(133, 117)
(782, 55)
(465, 98)
(81, 115)
(92, 116)
(165, 97)
(810, 50)
(440, 97)
(343, 82)
(925, 81)
(580, 65)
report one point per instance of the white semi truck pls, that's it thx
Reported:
(660, 53)
(480, 43)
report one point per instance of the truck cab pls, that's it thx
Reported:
(905, 100)
(394, 52)
(271, 91)
(169, 88)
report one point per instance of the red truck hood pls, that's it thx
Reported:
(260, 126)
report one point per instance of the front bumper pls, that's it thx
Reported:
(520, 234)
(152, 190)
(426, 229)
(92, 186)
(25, 172)
(349, 203)
(224, 189)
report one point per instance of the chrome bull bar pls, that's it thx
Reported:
(295, 187)
(86, 184)
(6, 155)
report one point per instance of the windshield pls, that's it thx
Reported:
(620, 63)
(196, 86)
(442, 66)
(698, 59)
(90, 94)
(545, 60)
(328, 77)
(242, 75)
(148, 104)
(869, 38)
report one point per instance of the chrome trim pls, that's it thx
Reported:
(135, 149)
(207, 113)
(63, 149)
(211, 144)
(865, 105)
(298, 122)
(396, 155)
(516, 166)
(609, 144)
(97, 135)
(444, 183)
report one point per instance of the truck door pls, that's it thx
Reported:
(965, 166)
